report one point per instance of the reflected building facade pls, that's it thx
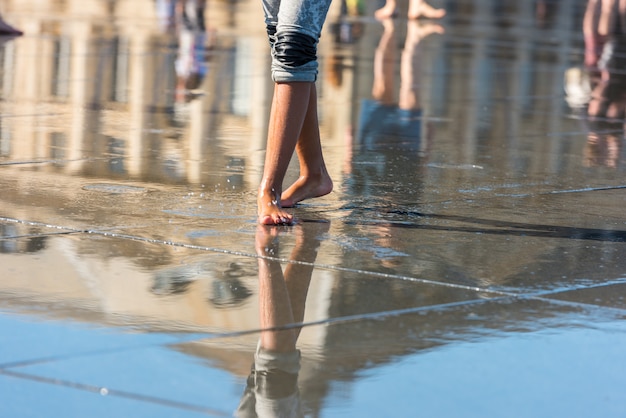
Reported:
(90, 94)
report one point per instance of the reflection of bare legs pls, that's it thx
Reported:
(409, 83)
(282, 297)
(274, 303)
(384, 64)
(417, 9)
(387, 11)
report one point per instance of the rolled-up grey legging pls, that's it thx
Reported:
(294, 28)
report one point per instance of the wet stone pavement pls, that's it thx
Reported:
(471, 261)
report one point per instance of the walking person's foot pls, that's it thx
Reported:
(306, 187)
(269, 209)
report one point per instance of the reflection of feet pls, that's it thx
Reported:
(307, 187)
(310, 233)
(266, 241)
(270, 211)
(385, 12)
(421, 9)
(309, 237)
(416, 31)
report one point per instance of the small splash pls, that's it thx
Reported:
(456, 166)
(114, 188)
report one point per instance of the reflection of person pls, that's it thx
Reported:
(604, 29)
(294, 28)
(417, 9)
(6, 29)
(191, 65)
(186, 18)
(272, 387)
(382, 119)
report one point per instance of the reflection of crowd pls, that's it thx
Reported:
(604, 29)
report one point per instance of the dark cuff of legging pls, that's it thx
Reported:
(271, 34)
(295, 49)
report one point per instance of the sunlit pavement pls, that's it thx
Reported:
(470, 262)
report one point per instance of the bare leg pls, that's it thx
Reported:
(419, 8)
(387, 11)
(289, 109)
(314, 180)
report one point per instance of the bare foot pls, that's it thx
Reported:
(422, 9)
(306, 187)
(270, 211)
(385, 12)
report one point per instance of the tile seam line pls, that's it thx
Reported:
(47, 161)
(256, 256)
(620, 311)
(103, 391)
(45, 234)
(233, 334)
(538, 295)
(543, 293)
(499, 196)
(299, 262)
(69, 229)
(283, 260)
(328, 321)
(443, 306)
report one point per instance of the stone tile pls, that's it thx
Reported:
(608, 296)
(34, 397)
(33, 340)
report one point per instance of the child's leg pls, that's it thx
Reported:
(294, 28)
(314, 180)
(289, 108)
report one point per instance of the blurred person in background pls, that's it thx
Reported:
(604, 29)
(383, 119)
(186, 19)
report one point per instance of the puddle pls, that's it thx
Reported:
(113, 188)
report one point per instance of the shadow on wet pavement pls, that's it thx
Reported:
(470, 261)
